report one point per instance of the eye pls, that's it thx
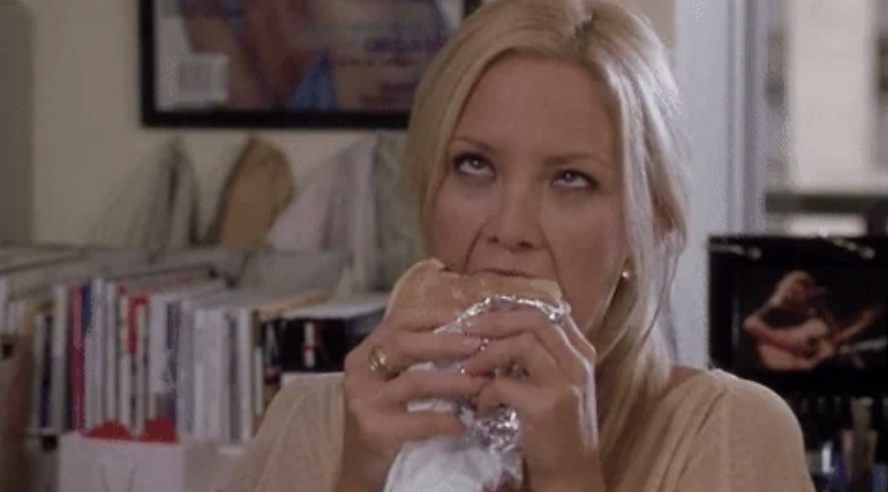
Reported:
(472, 164)
(574, 179)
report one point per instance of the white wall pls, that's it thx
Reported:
(831, 98)
(16, 113)
(87, 135)
(725, 188)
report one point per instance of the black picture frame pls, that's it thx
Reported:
(155, 116)
(851, 273)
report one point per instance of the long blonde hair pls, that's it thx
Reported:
(623, 54)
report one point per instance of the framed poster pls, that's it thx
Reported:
(801, 314)
(288, 63)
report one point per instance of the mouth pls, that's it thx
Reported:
(508, 272)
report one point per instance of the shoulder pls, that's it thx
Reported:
(310, 389)
(302, 425)
(306, 407)
(744, 435)
(751, 400)
(759, 418)
(738, 403)
(301, 398)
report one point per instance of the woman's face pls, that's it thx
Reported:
(532, 185)
(798, 292)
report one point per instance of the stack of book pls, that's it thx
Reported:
(176, 342)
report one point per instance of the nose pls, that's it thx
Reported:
(515, 224)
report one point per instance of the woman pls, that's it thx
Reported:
(544, 142)
(795, 329)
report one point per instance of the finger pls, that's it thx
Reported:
(574, 361)
(533, 404)
(579, 341)
(415, 426)
(410, 320)
(420, 319)
(403, 349)
(423, 385)
(523, 350)
(512, 393)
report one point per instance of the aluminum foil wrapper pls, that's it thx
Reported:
(498, 432)
(487, 456)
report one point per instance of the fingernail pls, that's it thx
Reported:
(485, 342)
(473, 342)
(480, 375)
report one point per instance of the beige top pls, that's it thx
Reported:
(712, 433)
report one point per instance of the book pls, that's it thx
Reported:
(164, 319)
(111, 318)
(218, 358)
(317, 338)
(76, 362)
(129, 298)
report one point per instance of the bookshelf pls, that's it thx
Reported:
(164, 365)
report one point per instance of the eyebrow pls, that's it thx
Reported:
(552, 161)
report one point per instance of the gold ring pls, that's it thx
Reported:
(379, 363)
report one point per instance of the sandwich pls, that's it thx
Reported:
(430, 284)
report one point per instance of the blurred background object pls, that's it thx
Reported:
(827, 98)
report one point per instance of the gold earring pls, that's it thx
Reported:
(627, 273)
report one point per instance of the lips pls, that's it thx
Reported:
(507, 272)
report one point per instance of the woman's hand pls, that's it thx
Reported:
(555, 401)
(377, 422)
(800, 340)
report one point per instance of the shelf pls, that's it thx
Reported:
(871, 207)
(822, 202)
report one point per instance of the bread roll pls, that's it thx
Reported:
(429, 285)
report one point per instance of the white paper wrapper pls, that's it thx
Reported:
(487, 456)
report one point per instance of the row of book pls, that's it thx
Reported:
(196, 341)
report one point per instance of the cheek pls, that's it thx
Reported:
(456, 221)
(588, 251)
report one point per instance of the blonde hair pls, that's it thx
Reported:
(623, 54)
